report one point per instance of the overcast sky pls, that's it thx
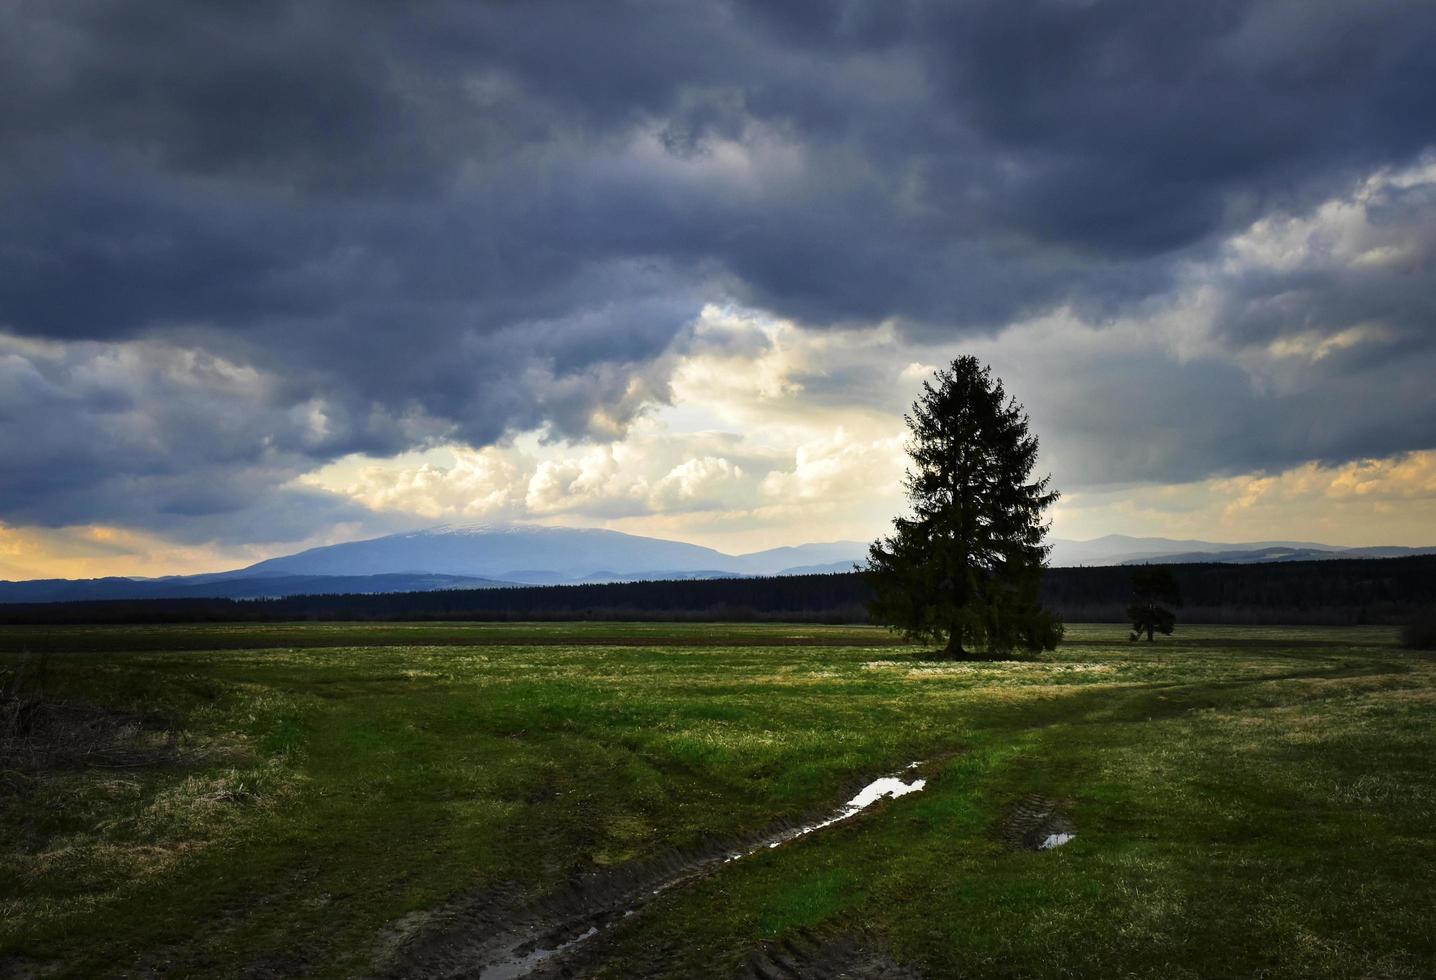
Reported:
(282, 273)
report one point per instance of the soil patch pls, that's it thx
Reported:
(278, 967)
(14, 967)
(808, 956)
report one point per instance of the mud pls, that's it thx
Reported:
(15, 967)
(504, 934)
(1037, 823)
(808, 956)
(275, 967)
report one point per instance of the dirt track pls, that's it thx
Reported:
(500, 934)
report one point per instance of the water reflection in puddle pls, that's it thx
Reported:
(887, 786)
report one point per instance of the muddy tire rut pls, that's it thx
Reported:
(1036, 823)
(505, 933)
(807, 955)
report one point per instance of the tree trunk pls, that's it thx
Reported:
(1150, 630)
(954, 649)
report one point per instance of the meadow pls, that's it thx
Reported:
(347, 800)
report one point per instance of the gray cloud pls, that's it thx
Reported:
(1102, 425)
(454, 220)
(144, 434)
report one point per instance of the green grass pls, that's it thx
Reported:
(1249, 801)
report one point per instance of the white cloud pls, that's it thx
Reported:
(840, 468)
(709, 483)
(774, 434)
(600, 481)
(457, 481)
(1347, 231)
(1315, 346)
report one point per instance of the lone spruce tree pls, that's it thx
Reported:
(965, 567)
(1155, 594)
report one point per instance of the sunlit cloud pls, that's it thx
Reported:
(97, 551)
(1364, 502)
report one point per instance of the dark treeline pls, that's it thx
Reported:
(1335, 592)
(1330, 592)
(798, 598)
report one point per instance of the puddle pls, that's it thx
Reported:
(524, 958)
(888, 787)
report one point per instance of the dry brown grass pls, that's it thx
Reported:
(41, 735)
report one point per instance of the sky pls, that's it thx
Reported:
(279, 274)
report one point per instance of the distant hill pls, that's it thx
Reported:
(534, 553)
(500, 552)
(826, 568)
(1240, 557)
(657, 576)
(258, 587)
(455, 556)
(789, 561)
(492, 555)
(1121, 549)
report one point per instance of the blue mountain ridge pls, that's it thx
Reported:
(497, 555)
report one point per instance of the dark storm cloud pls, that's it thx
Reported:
(1210, 420)
(153, 436)
(453, 220)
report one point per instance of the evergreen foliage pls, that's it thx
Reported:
(1420, 632)
(1155, 596)
(966, 566)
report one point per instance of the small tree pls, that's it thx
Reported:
(1154, 589)
(1420, 632)
(966, 566)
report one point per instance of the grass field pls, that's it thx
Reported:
(293, 799)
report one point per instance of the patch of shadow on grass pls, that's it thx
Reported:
(1037, 823)
(806, 955)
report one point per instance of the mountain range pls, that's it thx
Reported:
(1120, 549)
(498, 555)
